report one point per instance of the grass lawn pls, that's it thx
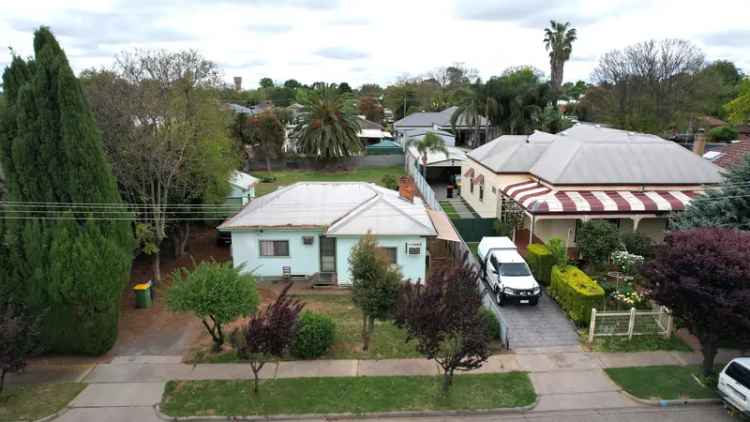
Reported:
(473, 247)
(31, 402)
(448, 208)
(359, 174)
(662, 382)
(639, 344)
(340, 395)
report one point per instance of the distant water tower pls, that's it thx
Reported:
(238, 83)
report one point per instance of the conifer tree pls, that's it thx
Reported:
(68, 260)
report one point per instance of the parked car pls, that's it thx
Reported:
(506, 272)
(734, 385)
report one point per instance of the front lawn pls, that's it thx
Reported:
(448, 208)
(388, 341)
(340, 395)
(644, 343)
(662, 382)
(32, 402)
(358, 174)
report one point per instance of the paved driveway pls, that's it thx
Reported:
(543, 325)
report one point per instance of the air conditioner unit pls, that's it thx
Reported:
(413, 249)
(307, 240)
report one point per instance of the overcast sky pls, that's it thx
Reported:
(371, 41)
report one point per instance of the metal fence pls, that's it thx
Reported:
(462, 253)
(631, 323)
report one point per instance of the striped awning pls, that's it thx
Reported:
(479, 180)
(540, 199)
(469, 173)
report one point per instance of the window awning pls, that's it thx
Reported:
(469, 173)
(443, 226)
(539, 199)
(479, 179)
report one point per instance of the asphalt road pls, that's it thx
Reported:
(674, 414)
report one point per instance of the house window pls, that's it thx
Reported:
(389, 254)
(578, 227)
(274, 248)
(472, 186)
(615, 221)
(481, 193)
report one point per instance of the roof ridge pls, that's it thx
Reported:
(355, 209)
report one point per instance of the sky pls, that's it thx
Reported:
(370, 41)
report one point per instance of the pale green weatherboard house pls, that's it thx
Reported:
(309, 229)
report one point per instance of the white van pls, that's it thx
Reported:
(734, 385)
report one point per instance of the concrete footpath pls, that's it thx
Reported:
(565, 378)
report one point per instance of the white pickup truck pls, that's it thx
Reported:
(506, 272)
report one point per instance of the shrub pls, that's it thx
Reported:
(315, 334)
(628, 263)
(638, 244)
(596, 241)
(559, 252)
(576, 292)
(389, 182)
(723, 134)
(492, 326)
(540, 261)
(267, 179)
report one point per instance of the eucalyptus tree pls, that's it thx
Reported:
(558, 40)
(329, 126)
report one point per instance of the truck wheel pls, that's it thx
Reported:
(500, 299)
(534, 301)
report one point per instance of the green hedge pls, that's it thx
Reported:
(540, 261)
(315, 335)
(576, 292)
(491, 324)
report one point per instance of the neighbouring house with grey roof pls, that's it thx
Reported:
(554, 182)
(440, 121)
(309, 229)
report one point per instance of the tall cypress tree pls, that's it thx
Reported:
(74, 265)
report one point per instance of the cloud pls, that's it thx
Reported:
(270, 28)
(529, 13)
(341, 53)
(303, 4)
(350, 21)
(729, 38)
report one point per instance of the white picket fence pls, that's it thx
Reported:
(631, 323)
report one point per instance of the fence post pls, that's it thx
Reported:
(592, 325)
(668, 331)
(631, 323)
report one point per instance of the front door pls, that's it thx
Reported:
(327, 254)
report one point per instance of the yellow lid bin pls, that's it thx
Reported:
(142, 295)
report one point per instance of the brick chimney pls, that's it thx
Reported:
(699, 142)
(406, 188)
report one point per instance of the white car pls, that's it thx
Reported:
(734, 385)
(505, 270)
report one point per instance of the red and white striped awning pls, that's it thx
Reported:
(479, 180)
(469, 173)
(540, 199)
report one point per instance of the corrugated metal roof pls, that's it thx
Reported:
(242, 180)
(586, 154)
(429, 119)
(340, 208)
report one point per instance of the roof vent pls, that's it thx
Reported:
(631, 133)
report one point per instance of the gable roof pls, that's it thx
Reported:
(586, 154)
(340, 208)
(430, 119)
(733, 154)
(242, 180)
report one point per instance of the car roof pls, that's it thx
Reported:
(506, 256)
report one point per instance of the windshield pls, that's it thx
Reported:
(739, 373)
(514, 269)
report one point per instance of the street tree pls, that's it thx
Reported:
(217, 293)
(558, 40)
(375, 285)
(372, 110)
(264, 133)
(268, 334)
(703, 277)
(67, 257)
(443, 316)
(328, 128)
(19, 340)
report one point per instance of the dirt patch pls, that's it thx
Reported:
(157, 331)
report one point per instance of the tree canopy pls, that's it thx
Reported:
(69, 261)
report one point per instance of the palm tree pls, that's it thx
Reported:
(430, 142)
(558, 40)
(329, 127)
(469, 112)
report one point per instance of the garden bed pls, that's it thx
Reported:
(32, 402)
(346, 395)
(358, 174)
(662, 382)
